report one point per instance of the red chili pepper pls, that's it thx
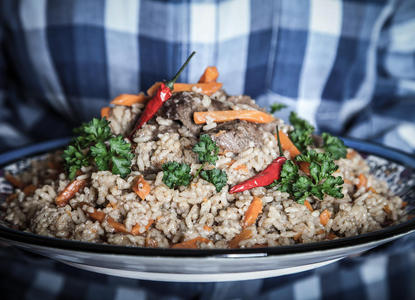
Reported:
(265, 177)
(163, 94)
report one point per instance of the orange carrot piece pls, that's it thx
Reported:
(297, 236)
(331, 236)
(208, 88)
(129, 99)
(118, 227)
(404, 204)
(308, 205)
(14, 181)
(251, 214)
(242, 167)
(288, 145)
(207, 228)
(105, 112)
(351, 154)
(324, 217)
(210, 75)
(136, 228)
(69, 191)
(362, 181)
(254, 116)
(347, 181)
(29, 189)
(244, 235)
(141, 187)
(97, 215)
(387, 209)
(191, 244)
(372, 190)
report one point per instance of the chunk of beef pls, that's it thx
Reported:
(236, 136)
(181, 107)
(244, 100)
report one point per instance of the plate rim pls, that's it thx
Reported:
(364, 146)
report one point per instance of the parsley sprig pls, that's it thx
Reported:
(334, 146)
(176, 174)
(96, 145)
(301, 135)
(273, 108)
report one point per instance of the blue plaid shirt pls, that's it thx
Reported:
(346, 66)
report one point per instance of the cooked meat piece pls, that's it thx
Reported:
(181, 107)
(236, 136)
(245, 100)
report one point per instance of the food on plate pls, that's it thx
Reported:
(189, 166)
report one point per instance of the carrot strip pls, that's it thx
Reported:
(13, 180)
(207, 228)
(254, 116)
(372, 190)
(244, 235)
(297, 236)
(105, 112)
(29, 190)
(69, 191)
(288, 145)
(241, 167)
(141, 187)
(387, 209)
(97, 215)
(191, 244)
(351, 154)
(308, 205)
(136, 228)
(324, 217)
(251, 214)
(129, 99)
(208, 88)
(118, 227)
(362, 181)
(331, 236)
(210, 75)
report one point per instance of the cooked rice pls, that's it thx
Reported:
(197, 210)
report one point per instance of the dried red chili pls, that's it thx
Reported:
(265, 177)
(163, 94)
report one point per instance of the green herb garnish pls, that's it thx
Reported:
(334, 146)
(321, 182)
(273, 108)
(94, 144)
(176, 174)
(301, 135)
(206, 149)
(216, 177)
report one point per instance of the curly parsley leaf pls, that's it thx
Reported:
(94, 144)
(301, 135)
(206, 149)
(273, 108)
(75, 159)
(334, 146)
(216, 177)
(176, 174)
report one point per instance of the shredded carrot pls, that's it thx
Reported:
(205, 199)
(331, 236)
(254, 116)
(387, 209)
(14, 181)
(347, 181)
(297, 236)
(129, 99)
(136, 228)
(207, 228)
(404, 204)
(29, 189)
(351, 154)
(372, 190)
(207, 88)
(324, 217)
(321, 231)
(362, 181)
(287, 144)
(210, 75)
(141, 187)
(69, 191)
(308, 205)
(191, 244)
(230, 163)
(105, 112)
(251, 214)
(244, 235)
(242, 167)
(97, 215)
(118, 227)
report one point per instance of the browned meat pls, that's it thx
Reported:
(244, 100)
(182, 106)
(236, 136)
